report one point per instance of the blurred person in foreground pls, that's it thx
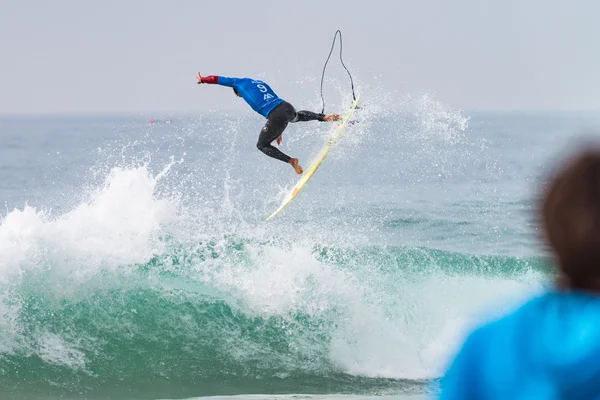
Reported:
(549, 348)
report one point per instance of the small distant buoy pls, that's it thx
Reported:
(160, 121)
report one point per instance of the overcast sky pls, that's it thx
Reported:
(131, 56)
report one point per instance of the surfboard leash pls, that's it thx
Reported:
(342, 61)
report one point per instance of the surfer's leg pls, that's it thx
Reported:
(271, 131)
(276, 123)
(303, 116)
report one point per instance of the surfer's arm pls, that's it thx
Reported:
(225, 81)
(217, 80)
(211, 79)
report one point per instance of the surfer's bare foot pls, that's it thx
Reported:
(332, 117)
(297, 167)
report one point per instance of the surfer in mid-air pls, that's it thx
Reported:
(277, 111)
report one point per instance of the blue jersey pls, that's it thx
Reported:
(257, 93)
(547, 349)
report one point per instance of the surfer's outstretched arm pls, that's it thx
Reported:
(303, 116)
(217, 80)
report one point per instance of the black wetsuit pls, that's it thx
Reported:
(277, 121)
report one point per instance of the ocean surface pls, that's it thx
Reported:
(136, 262)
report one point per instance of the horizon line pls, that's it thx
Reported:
(188, 114)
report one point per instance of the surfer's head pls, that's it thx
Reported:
(236, 92)
(570, 213)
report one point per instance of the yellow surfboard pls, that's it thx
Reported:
(317, 163)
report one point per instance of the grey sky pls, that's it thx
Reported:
(126, 56)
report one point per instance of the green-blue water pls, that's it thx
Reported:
(136, 262)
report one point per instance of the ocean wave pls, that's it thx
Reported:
(130, 293)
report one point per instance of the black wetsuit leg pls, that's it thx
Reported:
(277, 121)
(302, 116)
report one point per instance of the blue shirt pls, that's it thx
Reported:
(257, 93)
(547, 349)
